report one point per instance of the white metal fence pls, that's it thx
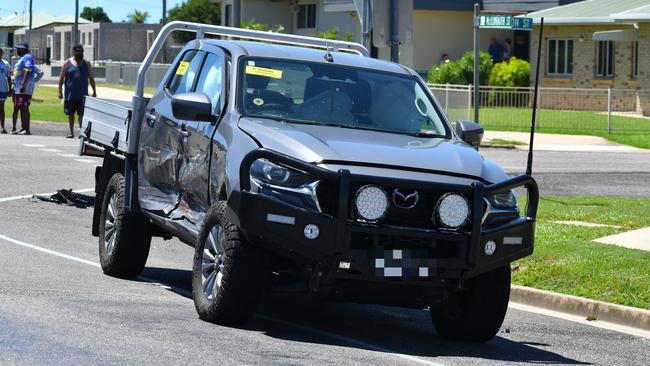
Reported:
(559, 108)
(125, 73)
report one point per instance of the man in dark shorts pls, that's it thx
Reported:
(24, 76)
(75, 73)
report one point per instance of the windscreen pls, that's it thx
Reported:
(330, 94)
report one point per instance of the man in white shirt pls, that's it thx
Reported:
(5, 85)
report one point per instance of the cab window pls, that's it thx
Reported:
(186, 72)
(211, 80)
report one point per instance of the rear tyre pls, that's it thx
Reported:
(124, 239)
(228, 274)
(476, 314)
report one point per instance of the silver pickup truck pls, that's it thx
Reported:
(298, 164)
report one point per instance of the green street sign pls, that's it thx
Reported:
(522, 23)
(496, 21)
(505, 22)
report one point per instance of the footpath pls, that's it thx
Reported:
(557, 142)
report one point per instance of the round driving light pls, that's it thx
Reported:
(490, 247)
(453, 210)
(311, 231)
(371, 202)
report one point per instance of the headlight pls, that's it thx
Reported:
(265, 172)
(503, 200)
(453, 210)
(371, 202)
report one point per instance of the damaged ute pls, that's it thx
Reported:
(302, 169)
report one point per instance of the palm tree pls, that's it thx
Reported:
(137, 16)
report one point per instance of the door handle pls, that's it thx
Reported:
(150, 118)
(183, 131)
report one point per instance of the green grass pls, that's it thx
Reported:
(46, 105)
(566, 260)
(626, 130)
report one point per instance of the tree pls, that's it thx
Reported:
(137, 16)
(96, 15)
(197, 11)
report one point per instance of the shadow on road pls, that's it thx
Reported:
(372, 327)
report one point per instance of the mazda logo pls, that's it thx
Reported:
(405, 201)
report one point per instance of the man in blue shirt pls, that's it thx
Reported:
(496, 50)
(23, 87)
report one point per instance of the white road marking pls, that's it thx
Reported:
(48, 251)
(33, 145)
(85, 161)
(15, 198)
(68, 155)
(352, 341)
(49, 150)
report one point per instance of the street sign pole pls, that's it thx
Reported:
(477, 24)
(529, 165)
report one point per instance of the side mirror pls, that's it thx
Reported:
(470, 132)
(192, 107)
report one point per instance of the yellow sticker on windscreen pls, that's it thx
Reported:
(182, 68)
(262, 71)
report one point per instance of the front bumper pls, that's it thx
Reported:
(350, 250)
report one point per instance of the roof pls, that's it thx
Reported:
(260, 49)
(596, 12)
(39, 19)
(523, 5)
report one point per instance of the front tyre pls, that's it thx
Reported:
(476, 314)
(227, 274)
(124, 239)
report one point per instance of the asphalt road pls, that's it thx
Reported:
(56, 306)
(581, 173)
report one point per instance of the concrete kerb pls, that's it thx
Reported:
(586, 308)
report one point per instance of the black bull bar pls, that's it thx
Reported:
(469, 264)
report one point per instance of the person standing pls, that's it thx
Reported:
(23, 88)
(495, 50)
(5, 87)
(75, 73)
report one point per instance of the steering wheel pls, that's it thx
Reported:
(274, 107)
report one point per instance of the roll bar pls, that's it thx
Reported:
(201, 30)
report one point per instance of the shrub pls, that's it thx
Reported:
(513, 73)
(251, 24)
(462, 71)
(333, 33)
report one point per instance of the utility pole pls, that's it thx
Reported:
(75, 27)
(164, 15)
(30, 14)
(394, 31)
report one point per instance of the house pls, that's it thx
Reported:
(124, 42)
(13, 30)
(597, 44)
(439, 26)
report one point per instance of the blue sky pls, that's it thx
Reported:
(117, 10)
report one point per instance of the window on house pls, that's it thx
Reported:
(90, 38)
(83, 38)
(560, 57)
(306, 17)
(228, 15)
(605, 59)
(635, 59)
